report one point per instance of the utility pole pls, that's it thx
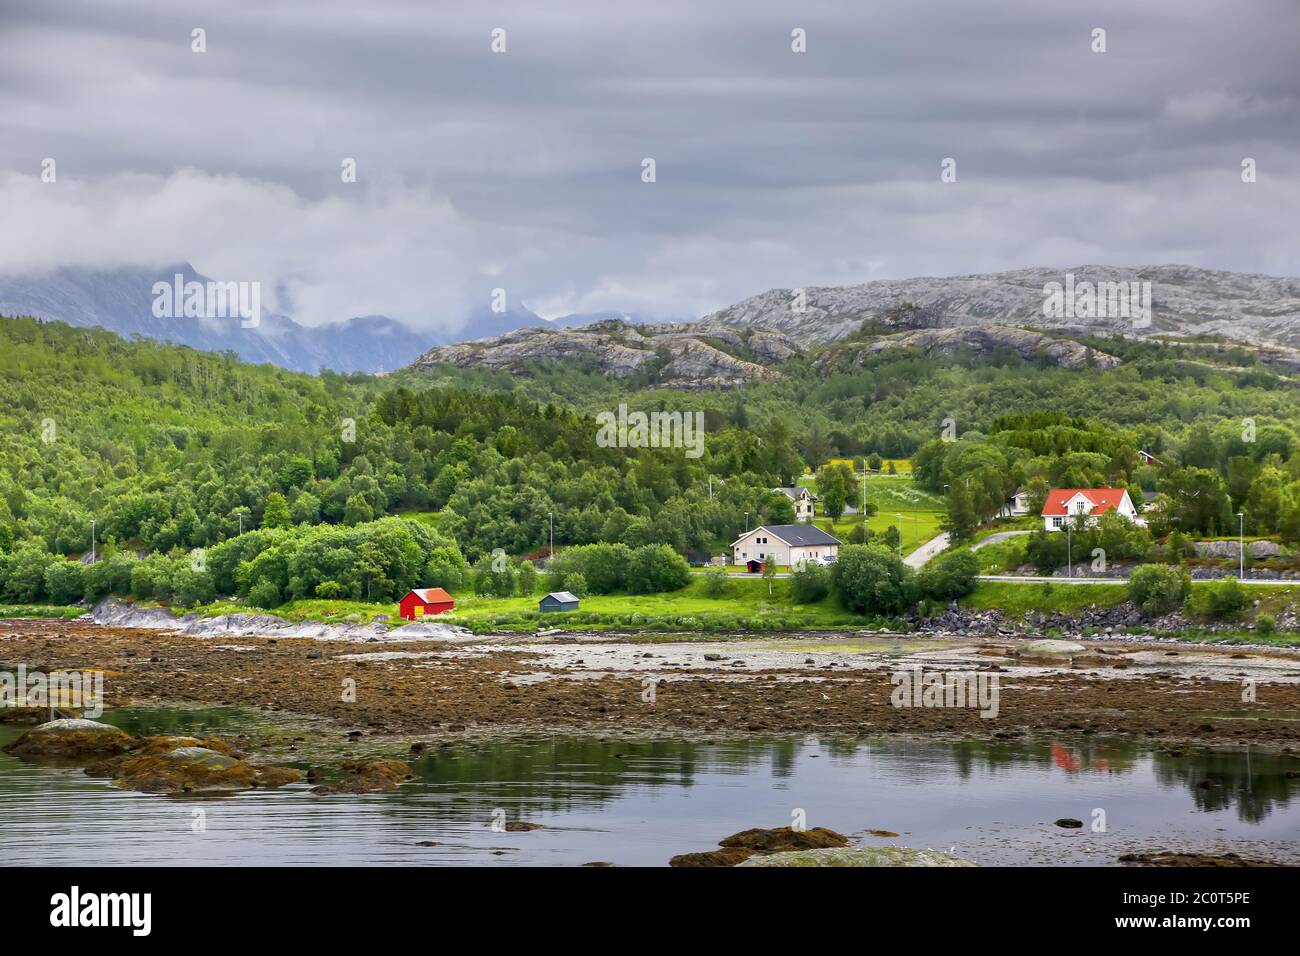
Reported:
(1241, 545)
(864, 499)
(92, 540)
(551, 551)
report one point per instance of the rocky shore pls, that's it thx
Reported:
(805, 683)
(111, 612)
(1107, 622)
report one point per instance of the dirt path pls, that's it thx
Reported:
(606, 686)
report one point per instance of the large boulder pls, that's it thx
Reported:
(184, 770)
(785, 838)
(71, 738)
(189, 769)
(1231, 549)
(165, 743)
(859, 856)
(1050, 648)
(748, 843)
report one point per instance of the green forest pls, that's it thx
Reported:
(199, 475)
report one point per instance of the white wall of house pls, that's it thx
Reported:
(804, 509)
(1016, 506)
(1080, 505)
(761, 545)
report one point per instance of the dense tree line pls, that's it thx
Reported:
(1200, 483)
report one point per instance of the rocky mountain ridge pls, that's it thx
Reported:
(980, 343)
(691, 356)
(1185, 300)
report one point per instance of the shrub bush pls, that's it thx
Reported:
(950, 576)
(264, 594)
(1159, 588)
(716, 583)
(1219, 600)
(809, 583)
(871, 579)
(64, 582)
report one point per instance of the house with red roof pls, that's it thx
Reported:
(1087, 504)
(420, 602)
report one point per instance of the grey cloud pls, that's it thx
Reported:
(522, 170)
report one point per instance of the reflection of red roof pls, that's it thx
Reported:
(431, 595)
(1101, 499)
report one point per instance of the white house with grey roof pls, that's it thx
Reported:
(790, 544)
(802, 499)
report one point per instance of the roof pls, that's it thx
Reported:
(795, 535)
(1101, 500)
(431, 595)
(796, 492)
(564, 597)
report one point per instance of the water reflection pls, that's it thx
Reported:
(641, 801)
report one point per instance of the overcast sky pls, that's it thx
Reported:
(523, 169)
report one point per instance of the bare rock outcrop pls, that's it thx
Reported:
(989, 341)
(692, 356)
(1185, 300)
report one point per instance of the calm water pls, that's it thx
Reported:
(640, 802)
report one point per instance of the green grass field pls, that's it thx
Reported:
(746, 605)
(902, 466)
(65, 611)
(921, 512)
(429, 518)
(1015, 598)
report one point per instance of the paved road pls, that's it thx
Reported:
(1012, 578)
(922, 555)
(1023, 578)
(741, 574)
(1000, 536)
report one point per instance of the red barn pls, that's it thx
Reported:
(423, 601)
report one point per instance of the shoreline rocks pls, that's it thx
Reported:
(70, 738)
(741, 846)
(890, 856)
(159, 764)
(368, 776)
(111, 612)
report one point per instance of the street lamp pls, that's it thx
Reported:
(864, 494)
(1241, 545)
